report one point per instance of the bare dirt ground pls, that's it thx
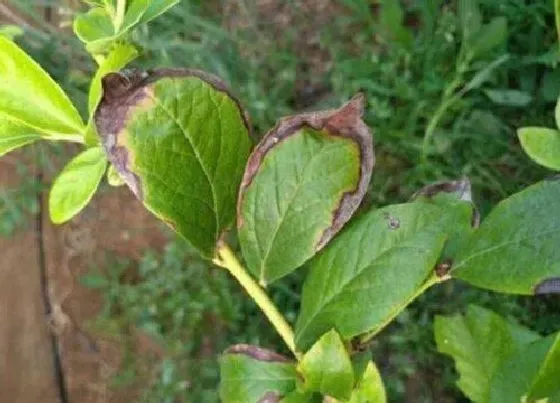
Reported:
(47, 351)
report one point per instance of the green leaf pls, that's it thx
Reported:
(515, 250)
(95, 28)
(542, 145)
(484, 74)
(327, 368)
(118, 57)
(372, 270)
(11, 31)
(490, 36)
(557, 111)
(29, 95)
(302, 183)
(470, 18)
(249, 374)
(370, 387)
(113, 177)
(156, 8)
(14, 135)
(478, 342)
(75, 186)
(508, 97)
(531, 373)
(180, 141)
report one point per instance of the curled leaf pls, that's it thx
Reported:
(302, 183)
(180, 142)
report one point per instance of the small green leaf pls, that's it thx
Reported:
(490, 36)
(249, 374)
(470, 18)
(180, 141)
(11, 31)
(478, 342)
(372, 270)
(515, 250)
(507, 97)
(156, 8)
(484, 74)
(531, 373)
(118, 57)
(113, 177)
(327, 368)
(303, 182)
(29, 95)
(14, 135)
(542, 145)
(370, 387)
(75, 186)
(95, 28)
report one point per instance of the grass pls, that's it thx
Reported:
(444, 102)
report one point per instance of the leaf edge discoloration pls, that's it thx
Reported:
(344, 122)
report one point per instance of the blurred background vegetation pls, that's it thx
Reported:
(445, 95)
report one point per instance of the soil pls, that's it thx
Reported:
(49, 354)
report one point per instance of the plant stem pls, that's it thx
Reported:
(119, 16)
(227, 259)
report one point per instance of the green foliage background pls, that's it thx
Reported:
(405, 63)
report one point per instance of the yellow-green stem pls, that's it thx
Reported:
(227, 259)
(119, 15)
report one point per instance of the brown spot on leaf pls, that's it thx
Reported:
(392, 222)
(442, 269)
(270, 397)
(258, 353)
(548, 286)
(344, 122)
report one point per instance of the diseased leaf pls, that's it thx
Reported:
(372, 271)
(180, 141)
(302, 397)
(370, 388)
(531, 373)
(119, 56)
(542, 145)
(327, 368)
(14, 135)
(303, 182)
(479, 342)
(515, 250)
(456, 197)
(29, 95)
(249, 374)
(75, 186)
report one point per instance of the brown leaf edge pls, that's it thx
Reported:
(122, 91)
(461, 188)
(344, 122)
(257, 353)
